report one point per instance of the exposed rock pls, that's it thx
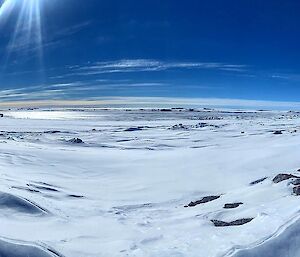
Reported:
(205, 199)
(296, 182)
(197, 126)
(282, 177)
(1, 115)
(179, 126)
(277, 132)
(76, 141)
(239, 222)
(296, 190)
(232, 205)
(204, 124)
(258, 181)
(211, 118)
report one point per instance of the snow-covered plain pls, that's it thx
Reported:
(122, 192)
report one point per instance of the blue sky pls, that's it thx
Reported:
(91, 49)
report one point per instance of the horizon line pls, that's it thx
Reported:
(153, 101)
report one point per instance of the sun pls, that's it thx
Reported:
(27, 33)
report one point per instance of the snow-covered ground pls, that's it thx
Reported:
(123, 191)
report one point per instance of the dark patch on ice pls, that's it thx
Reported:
(8, 249)
(52, 132)
(76, 196)
(124, 140)
(43, 188)
(201, 146)
(277, 132)
(232, 205)
(26, 189)
(239, 222)
(16, 203)
(133, 129)
(258, 181)
(45, 184)
(281, 177)
(54, 252)
(205, 199)
(127, 208)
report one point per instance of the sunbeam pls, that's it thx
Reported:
(27, 34)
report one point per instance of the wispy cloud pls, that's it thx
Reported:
(73, 89)
(149, 65)
(38, 91)
(87, 89)
(286, 76)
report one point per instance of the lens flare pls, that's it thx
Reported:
(27, 31)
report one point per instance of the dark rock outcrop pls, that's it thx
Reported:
(180, 126)
(239, 222)
(232, 205)
(205, 199)
(296, 190)
(277, 132)
(281, 177)
(296, 182)
(76, 141)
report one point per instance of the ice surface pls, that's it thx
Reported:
(122, 190)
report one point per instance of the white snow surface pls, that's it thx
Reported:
(122, 192)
